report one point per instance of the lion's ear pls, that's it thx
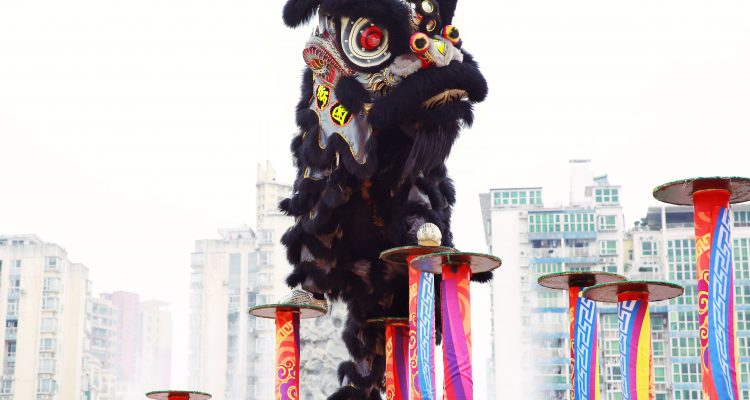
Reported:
(447, 10)
(298, 12)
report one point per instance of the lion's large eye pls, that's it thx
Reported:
(364, 43)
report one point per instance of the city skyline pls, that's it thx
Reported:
(126, 144)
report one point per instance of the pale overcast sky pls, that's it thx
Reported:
(128, 129)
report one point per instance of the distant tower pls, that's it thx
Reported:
(581, 176)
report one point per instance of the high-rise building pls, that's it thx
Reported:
(127, 334)
(663, 248)
(138, 337)
(530, 323)
(100, 355)
(155, 346)
(43, 303)
(230, 355)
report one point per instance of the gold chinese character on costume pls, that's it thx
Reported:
(323, 96)
(340, 115)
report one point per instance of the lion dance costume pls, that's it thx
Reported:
(386, 90)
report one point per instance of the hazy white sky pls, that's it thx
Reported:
(128, 129)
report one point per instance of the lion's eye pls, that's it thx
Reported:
(364, 43)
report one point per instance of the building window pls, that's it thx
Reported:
(7, 386)
(615, 395)
(612, 348)
(742, 258)
(744, 373)
(658, 322)
(681, 259)
(649, 248)
(51, 263)
(48, 344)
(689, 298)
(535, 197)
(742, 218)
(744, 346)
(609, 322)
(683, 320)
(264, 279)
(52, 284)
(265, 257)
(685, 394)
(10, 349)
(12, 307)
(579, 222)
(685, 373)
(546, 268)
(49, 324)
(547, 298)
(266, 236)
(743, 320)
(742, 295)
(544, 223)
(607, 247)
(607, 195)
(685, 347)
(607, 223)
(611, 268)
(660, 374)
(516, 198)
(658, 348)
(46, 386)
(50, 303)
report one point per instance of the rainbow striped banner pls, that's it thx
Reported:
(722, 329)
(456, 307)
(396, 362)
(635, 346)
(713, 247)
(287, 355)
(421, 335)
(584, 353)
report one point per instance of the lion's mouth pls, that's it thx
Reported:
(444, 98)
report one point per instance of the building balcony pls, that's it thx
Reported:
(562, 235)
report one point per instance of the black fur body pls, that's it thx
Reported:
(376, 127)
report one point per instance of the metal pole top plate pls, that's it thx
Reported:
(270, 310)
(657, 291)
(567, 280)
(166, 394)
(399, 255)
(681, 192)
(477, 262)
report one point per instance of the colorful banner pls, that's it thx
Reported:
(396, 362)
(456, 312)
(584, 357)
(719, 351)
(635, 346)
(287, 355)
(421, 335)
